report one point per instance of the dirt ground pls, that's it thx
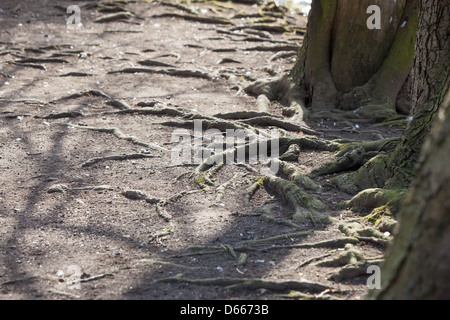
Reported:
(61, 221)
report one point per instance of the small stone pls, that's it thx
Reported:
(59, 188)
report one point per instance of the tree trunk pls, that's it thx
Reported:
(417, 265)
(430, 80)
(344, 63)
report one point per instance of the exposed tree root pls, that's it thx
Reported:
(220, 190)
(87, 92)
(119, 134)
(179, 7)
(294, 175)
(355, 270)
(281, 145)
(252, 190)
(120, 157)
(6, 75)
(378, 146)
(170, 72)
(298, 200)
(94, 188)
(93, 278)
(272, 121)
(228, 60)
(382, 218)
(25, 101)
(265, 214)
(65, 294)
(206, 180)
(262, 27)
(333, 243)
(211, 123)
(238, 115)
(158, 235)
(139, 195)
(368, 199)
(69, 114)
(264, 39)
(30, 65)
(77, 74)
(313, 259)
(155, 108)
(277, 48)
(166, 263)
(297, 295)
(62, 188)
(292, 153)
(372, 174)
(351, 160)
(282, 55)
(154, 63)
(247, 167)
(349, 256)
(190, 17)
(293, 235)
(118, 104)
(250, 284)
(114, 17)
(161, 203)
(41, 60)
(367, 234)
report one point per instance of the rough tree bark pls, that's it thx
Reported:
(345, 64)
(430, 80)
(417, 265)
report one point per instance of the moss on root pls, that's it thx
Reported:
(368, 199)
(382, 218)
(377, 112)
(372, 174)
(299, 200)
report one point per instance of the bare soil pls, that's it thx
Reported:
(60, 222)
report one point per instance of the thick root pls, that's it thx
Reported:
(352, 159)
(368, 199)
(349, 256)
(362, 233)
(291, 154)
(355, 270)
(294, 175)
(377, 113)
(297, 199)
(372, 174)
